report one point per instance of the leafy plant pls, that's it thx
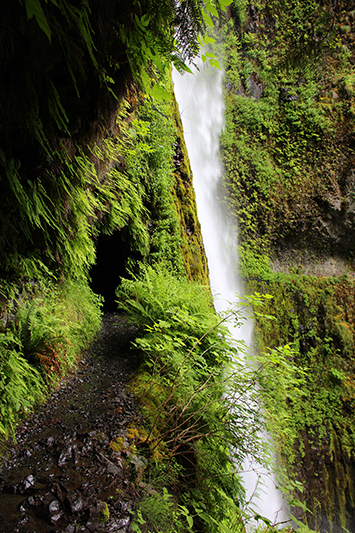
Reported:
(21, 385)
(199, 401)
(162, 515)
(47, 337)
(39, 333)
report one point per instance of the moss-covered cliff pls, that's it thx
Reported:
(289, 137)
(288, 154)
(90, 165)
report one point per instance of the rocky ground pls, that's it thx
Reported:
(63, 475)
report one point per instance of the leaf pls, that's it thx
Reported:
(215, 63)
(34, 8)
(158, 62)
(139, 24)
(159, 93)
(180, 65)
(145, 80)
(145, 19)
(211, 9)
(224, 528)
(207, 19)
(263, 519)
(225, 3)
(209, 40)
(189, 520)
(205, 517)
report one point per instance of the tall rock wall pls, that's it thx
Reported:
(93, 174)
(289, 174)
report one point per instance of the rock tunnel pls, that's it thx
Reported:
(112, 252)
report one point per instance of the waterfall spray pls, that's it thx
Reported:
(200, 99)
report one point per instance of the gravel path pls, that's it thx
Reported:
(62, 475)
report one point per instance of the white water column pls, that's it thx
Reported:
(201, 105)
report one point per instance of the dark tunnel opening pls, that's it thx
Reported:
(112, 252)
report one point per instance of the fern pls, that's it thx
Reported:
(47, 337)
(56, 108)
(20, 384)
(197, 405)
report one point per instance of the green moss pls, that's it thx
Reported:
(317, 438)
(184, 198)
(117, 445)
(104, 515)
(287, 152)
(287, 155)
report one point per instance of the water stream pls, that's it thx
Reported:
(201, 105)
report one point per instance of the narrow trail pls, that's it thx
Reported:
(61, 473)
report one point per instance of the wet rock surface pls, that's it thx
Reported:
(62, 474)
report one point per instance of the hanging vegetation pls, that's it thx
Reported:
(85, 151)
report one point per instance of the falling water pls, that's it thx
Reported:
(201, 107)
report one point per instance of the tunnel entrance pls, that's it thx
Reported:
(112, 252)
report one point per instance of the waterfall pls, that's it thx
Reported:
(201, 105)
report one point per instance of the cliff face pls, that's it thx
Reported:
(288, 154)
(92, 170)
(69, 77)
(56, 106)
(294, 113)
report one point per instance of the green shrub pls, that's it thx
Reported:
(199, 401)
(21, 385)
(46, 338)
